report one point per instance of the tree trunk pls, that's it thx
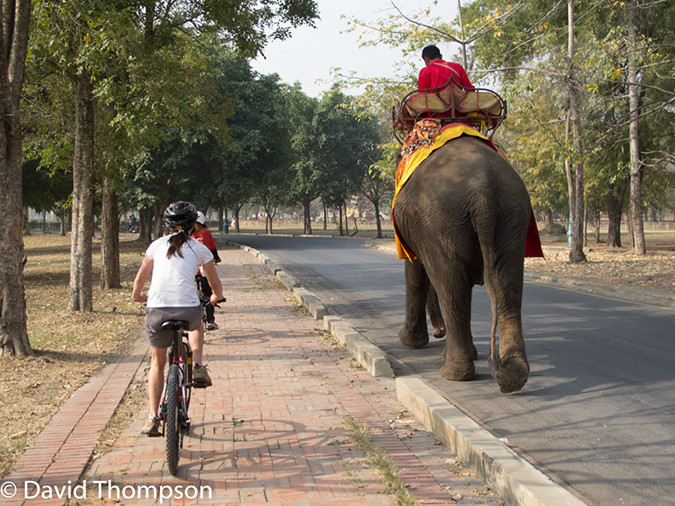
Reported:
(325, 217)
(376, 206)
(577, 248)
(615, 197)
(346, 220)
(585, 234)
(63, 223)
(13, 48)
(110, 237)
(158, 228)
(26, 222)
(236, 211)
(596, 225)
(220, 220)
(83, 197)
(636, 168)
(307, 217)
(570, 184)
(145, 225)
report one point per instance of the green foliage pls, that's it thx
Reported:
(343, 146)
(155, 66)
(43, 189)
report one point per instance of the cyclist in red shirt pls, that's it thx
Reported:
(437, 72)
(202, 234)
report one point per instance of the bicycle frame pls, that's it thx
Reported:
(184, 363)
(177, 393)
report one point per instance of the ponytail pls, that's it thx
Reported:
(175, 242)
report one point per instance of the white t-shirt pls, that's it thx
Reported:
(173, 279)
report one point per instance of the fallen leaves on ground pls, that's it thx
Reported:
(654, 271)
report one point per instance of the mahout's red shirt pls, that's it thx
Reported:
(438, 72)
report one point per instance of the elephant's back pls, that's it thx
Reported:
(460, 184)
(464, 171)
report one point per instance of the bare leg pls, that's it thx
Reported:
(196, 338)
(156, 379)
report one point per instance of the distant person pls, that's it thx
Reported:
(202, 234)
(133, 224)
(437, 72)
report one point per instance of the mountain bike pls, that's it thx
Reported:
(177, 391)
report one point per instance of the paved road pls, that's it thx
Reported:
(597, 411)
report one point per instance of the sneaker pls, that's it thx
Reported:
(200, 377)
(211, 326)
(151, 427)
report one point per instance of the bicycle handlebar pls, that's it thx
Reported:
(206, 301)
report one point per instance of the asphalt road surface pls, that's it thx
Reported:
(598, 411)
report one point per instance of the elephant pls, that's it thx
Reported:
(464, 213)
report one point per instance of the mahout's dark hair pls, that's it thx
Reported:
(431, 52)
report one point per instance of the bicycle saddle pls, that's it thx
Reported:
(175, 323)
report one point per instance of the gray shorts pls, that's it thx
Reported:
(155, 316)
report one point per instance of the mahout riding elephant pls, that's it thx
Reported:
(464, 214)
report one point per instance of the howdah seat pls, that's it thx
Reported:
(481, 108)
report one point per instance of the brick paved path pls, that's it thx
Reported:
(270, 430)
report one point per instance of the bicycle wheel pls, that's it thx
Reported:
(173, 423)
(187, 385)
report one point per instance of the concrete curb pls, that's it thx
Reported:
(286, 280)
(372, 358)
(513, 478)
(310, 302)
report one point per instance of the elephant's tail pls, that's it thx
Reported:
(486, 231)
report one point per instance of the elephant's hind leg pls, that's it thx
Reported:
(435, 313)
(414, 332)
(512, 369)
(459, 352)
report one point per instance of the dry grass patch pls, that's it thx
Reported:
(69, 347)
(654, 271)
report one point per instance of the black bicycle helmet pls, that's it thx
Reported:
(180, 216)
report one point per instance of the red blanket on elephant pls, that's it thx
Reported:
(426, 137)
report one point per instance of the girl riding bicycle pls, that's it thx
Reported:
(174, 261)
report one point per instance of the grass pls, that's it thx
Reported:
(69, 347)
(379, 460)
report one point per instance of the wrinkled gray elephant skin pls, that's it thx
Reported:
(464, 213)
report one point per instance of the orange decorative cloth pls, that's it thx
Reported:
(426, 137)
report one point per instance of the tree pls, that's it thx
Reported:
(15, 17)
(342, 148)
(377, 185)
(46, 190)
(576, 182)
(305, 168)
(86, 32)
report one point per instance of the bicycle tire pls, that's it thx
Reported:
(173, 424)
(187, 382)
